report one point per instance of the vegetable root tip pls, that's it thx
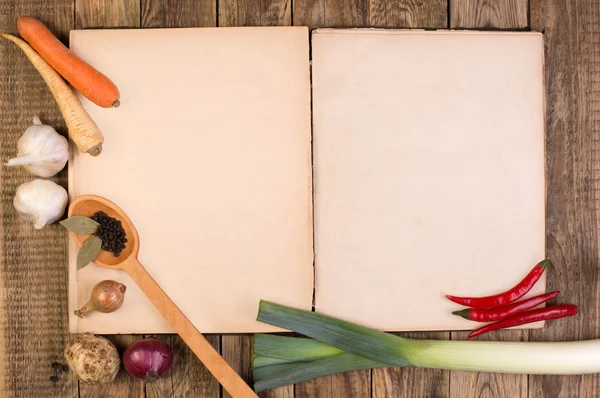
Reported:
(116, 104)
(79, 313)
(95, 150)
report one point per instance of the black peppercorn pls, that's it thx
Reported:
(110, 232)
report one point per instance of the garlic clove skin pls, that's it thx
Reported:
(41, 150)
(41, 202)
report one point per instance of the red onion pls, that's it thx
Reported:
(148, 359)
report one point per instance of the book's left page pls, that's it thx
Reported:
(209, 154)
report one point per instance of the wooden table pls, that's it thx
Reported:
(33, 300)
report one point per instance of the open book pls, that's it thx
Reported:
(417, 170)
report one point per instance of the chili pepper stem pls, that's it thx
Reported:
(462, 313)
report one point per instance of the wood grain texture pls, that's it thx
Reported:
(347, 13)
(111, 14)
(124, 385)
(355, 384)
(178, 13)
(408, 13)
(255, 12)
(211, 358)
(396, 14)
(572, 44)
(107, 14)
(237, 349)
(485, 14)
(33, 276)
(188, 377)
(394, 381)
(482, 14)
(371, 13)
(492, 385)
(410, 382)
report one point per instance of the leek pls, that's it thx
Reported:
(384, 349)
(273, 376)
(290, 349)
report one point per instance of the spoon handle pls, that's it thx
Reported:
(215, 363)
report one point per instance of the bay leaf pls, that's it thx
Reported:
(80, 225)
(88, 251)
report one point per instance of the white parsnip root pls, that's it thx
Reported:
(82, 129)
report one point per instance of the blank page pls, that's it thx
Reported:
(209, 154)
(429, 171)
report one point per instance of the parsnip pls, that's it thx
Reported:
(82, 129)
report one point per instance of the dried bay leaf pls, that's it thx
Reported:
(88, 251)
(80, 225)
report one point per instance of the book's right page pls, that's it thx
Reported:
(428, 171)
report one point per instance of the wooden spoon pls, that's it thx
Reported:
(87, 205)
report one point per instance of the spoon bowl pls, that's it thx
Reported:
(87, 205)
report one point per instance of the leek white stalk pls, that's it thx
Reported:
(384, 349)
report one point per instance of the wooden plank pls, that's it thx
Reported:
(124, 384)
(408, 14)
(111, 14)
(572, 43)
(107, 13)
(351, 384)
(237, 349)
(255, 13)
(187, 377)
(315, 13)
(178, 14)
(322, 13)
(482, 14)
(398, 382)
(409, 382)
(373, 13)
(481, 385)
(33, 274)
(398, 14)
(503, 14)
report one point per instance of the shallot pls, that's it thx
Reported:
(107, 296)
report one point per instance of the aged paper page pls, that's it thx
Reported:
(429, 171)
(209, 154)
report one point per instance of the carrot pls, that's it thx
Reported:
(86, 79)
(82, 128)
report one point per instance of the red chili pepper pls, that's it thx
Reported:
(541, 314)
(499, 313)
(508, 296)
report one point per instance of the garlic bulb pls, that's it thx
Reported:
(42, 150)
(40, 201)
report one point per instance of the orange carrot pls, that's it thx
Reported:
(86, 79)
(82, 128)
